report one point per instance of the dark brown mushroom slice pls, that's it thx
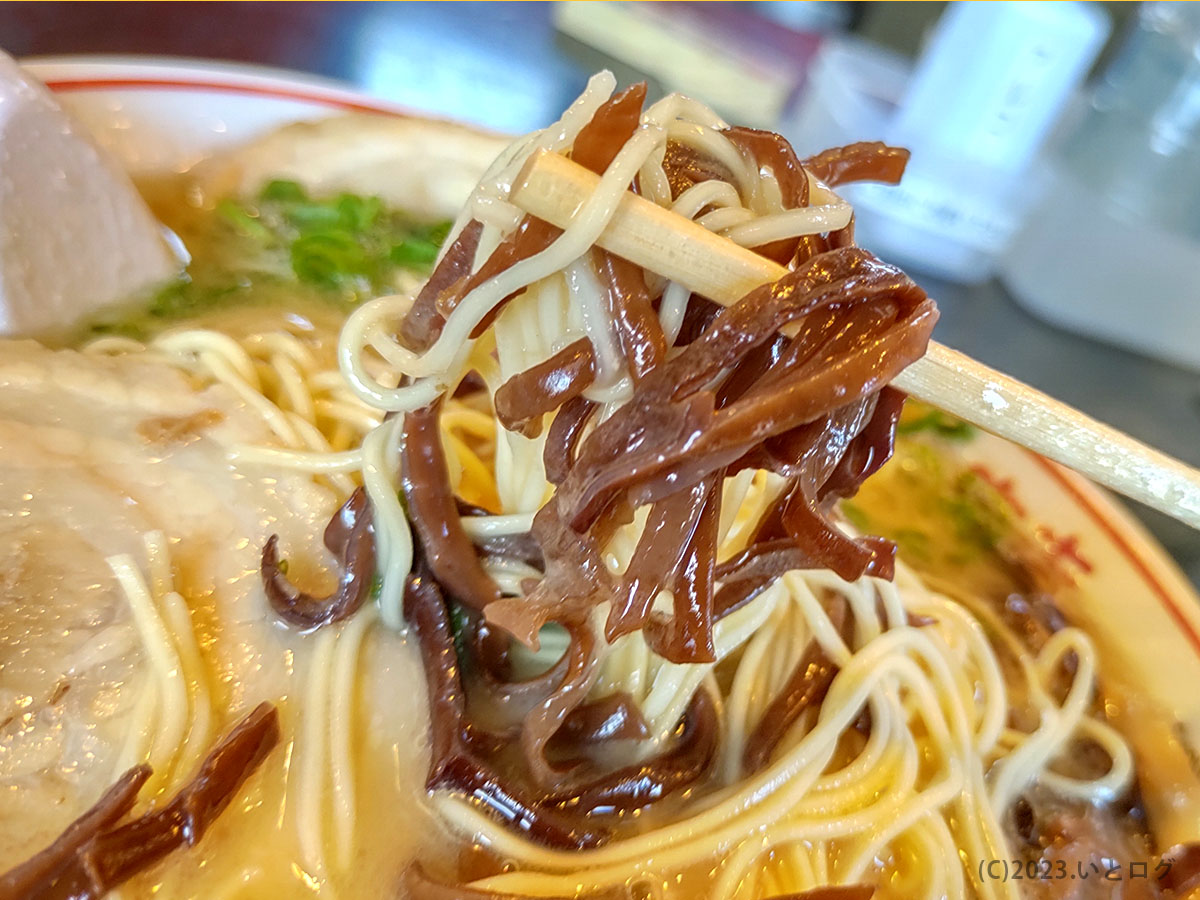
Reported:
(562, 440)
(95, 854)
(864, 161)
(687, 635)
(685, 166)
(530, 237)
(547, 716)
(39, 875)
(433, 511)
(612, 718)
(350, 537)
(642, 784)
(423, 322)
(670, 435)
(1182, 873)
(666, 537)
(772, 150)
(526, 397)
(805, 689)
(639, 333)
(456, 761)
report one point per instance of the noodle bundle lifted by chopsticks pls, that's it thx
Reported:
(604, 506)
(662, 428)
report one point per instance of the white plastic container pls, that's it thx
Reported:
(984, 94)
(1113, 249)
(1083, 265)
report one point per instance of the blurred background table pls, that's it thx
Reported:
(507, 66)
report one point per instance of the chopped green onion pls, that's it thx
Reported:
(311, 215)
(328, 258)
(358, 213)
(939, 423)
(243, 220)
(282, 191)
(342, 249)
(414, 253)
(438, 233)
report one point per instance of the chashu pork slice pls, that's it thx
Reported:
(75, 235)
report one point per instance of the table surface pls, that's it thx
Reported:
(501, 64)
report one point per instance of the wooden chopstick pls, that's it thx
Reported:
(553, 188)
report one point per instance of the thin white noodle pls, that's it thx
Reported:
(672, 310)
(178, 620)
(306, 461)
(342, 733)
(394, 548)
(172, 693)
(717, 194)
(493, 526)
(726, 218)
(310, 755)
(791, 223)
(585, 291)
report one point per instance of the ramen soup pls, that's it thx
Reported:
(411, 546)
